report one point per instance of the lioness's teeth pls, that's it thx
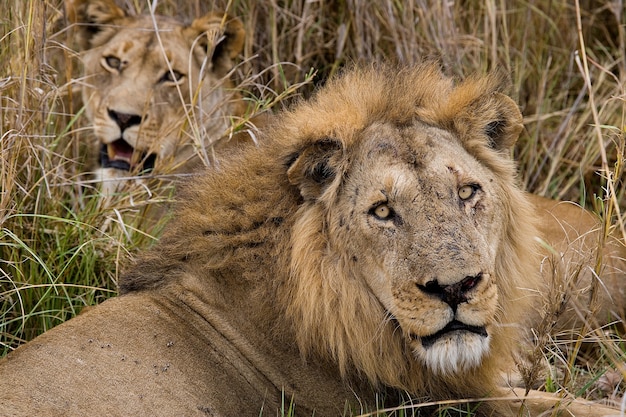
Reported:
(115, 155)
(110, 152)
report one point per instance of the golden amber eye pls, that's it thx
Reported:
(466, 192)
(383, 211)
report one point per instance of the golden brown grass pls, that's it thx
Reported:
(61, 251)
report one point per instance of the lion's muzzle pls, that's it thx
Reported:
(454, 294)
(458, 333)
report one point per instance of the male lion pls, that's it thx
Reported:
(153, 85)
(376, 242)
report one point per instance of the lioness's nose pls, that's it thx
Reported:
(124, 120)
(453, 294)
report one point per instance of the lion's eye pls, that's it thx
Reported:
(467, 191)
(382, 211)
(112, 62)
(172, 76)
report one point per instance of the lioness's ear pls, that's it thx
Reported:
(314, 168)
(95, 20)
(494, 116)
(219, 35)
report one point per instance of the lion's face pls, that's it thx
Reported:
(152, 87)
(422, 220)
(412, 245)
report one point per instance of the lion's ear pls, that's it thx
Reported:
(220, 36)
(494, 116)
(315, 167)
(95, 20)
(504, 129)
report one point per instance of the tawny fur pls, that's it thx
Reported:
(315, 264)
(574, 267)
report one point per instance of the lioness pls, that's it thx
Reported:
(375, 242)
(153, 86)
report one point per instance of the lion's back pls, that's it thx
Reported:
(128, 356)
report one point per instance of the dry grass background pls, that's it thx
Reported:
(60, 251)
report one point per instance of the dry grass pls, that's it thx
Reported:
(60, 250)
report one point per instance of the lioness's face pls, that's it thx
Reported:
(420, 216)
(133, 98)
(156, 90)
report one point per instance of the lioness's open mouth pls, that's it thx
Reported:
(120, 155)
(454, 325)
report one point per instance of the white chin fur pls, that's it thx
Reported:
(454, 352)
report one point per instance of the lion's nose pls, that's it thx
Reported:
(453, 294)
(124, 120)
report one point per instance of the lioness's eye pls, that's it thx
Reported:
(112, 62)
(382, 211)
(467, 191)
(172, 76)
